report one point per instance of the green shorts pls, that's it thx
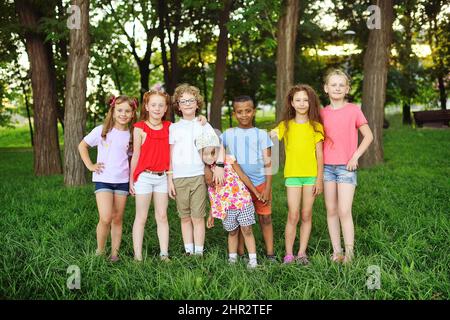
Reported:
(300, 181)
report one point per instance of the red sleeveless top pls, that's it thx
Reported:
(155, 151)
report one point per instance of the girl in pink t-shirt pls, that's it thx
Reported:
(341, 121)
(111, 171)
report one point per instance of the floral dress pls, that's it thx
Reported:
(232, 195)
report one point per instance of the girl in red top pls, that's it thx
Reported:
(149, 166)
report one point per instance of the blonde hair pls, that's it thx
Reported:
(336, 72)
(146, 98)
(186, 88)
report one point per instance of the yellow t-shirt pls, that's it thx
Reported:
(300, 145)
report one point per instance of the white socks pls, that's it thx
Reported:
(198, 250)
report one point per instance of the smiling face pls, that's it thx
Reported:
(337, 87)
(188, 105)
(244, 113)
(300, 102)
(156, 107)
(123, 113)
(209, 155)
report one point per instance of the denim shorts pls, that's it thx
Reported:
(339, 174)
(117, 188)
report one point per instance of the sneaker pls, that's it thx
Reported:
(302, 260)
(289, 258)
(252, 265)
(232, 260)
(271, 257)
(114, 259)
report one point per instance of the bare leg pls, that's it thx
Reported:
(249, 239)
(294, 195)
(116, 227)
(160, 201)
(105, 210)
(331, 203)
(265, 221)
(187, 230)
(241, 249)
(346, 192)
(306, 226)
(199, 231)
(142, 206)
(233, 240)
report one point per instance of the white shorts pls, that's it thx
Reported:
(149, 183)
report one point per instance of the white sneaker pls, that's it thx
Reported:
(252, 264)
(232, 260)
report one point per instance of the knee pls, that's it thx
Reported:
(265, 220)
(106, 221)
(332, 211)
(247, 231)
(117, 218)
(306, 216)
(344, 213)
(161, 217)
(234, 233)
(293, 217)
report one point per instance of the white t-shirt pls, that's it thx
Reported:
(186, 161)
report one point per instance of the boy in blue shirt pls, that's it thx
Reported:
(252, 149)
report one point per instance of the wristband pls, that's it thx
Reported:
(220, 164)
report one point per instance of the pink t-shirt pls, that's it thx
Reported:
(341, 132)
(113, 152)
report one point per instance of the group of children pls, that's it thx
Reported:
(187, 160)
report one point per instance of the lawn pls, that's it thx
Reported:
(401, 215)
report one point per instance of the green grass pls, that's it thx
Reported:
(401, 214)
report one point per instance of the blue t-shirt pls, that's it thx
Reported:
(247, 146)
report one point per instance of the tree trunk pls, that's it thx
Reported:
(47, 157)
(407, 113)
(286, 39)
(75, 106)
(221, 66)
(144, 71)
(442, 93)
(376, 61)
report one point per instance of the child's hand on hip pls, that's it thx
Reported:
(352, 164)
(98, 167)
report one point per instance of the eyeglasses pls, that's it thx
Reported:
(187, 101)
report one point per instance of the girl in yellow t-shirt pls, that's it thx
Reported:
(302, 131)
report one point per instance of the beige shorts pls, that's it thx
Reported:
(191, 196)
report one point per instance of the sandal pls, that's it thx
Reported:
(302, 259)
(337, 257)
(289, 258)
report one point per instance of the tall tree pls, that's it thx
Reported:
(286, 40)
(75, 106)
(376, 61)
(47, 157)
(221, 66)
